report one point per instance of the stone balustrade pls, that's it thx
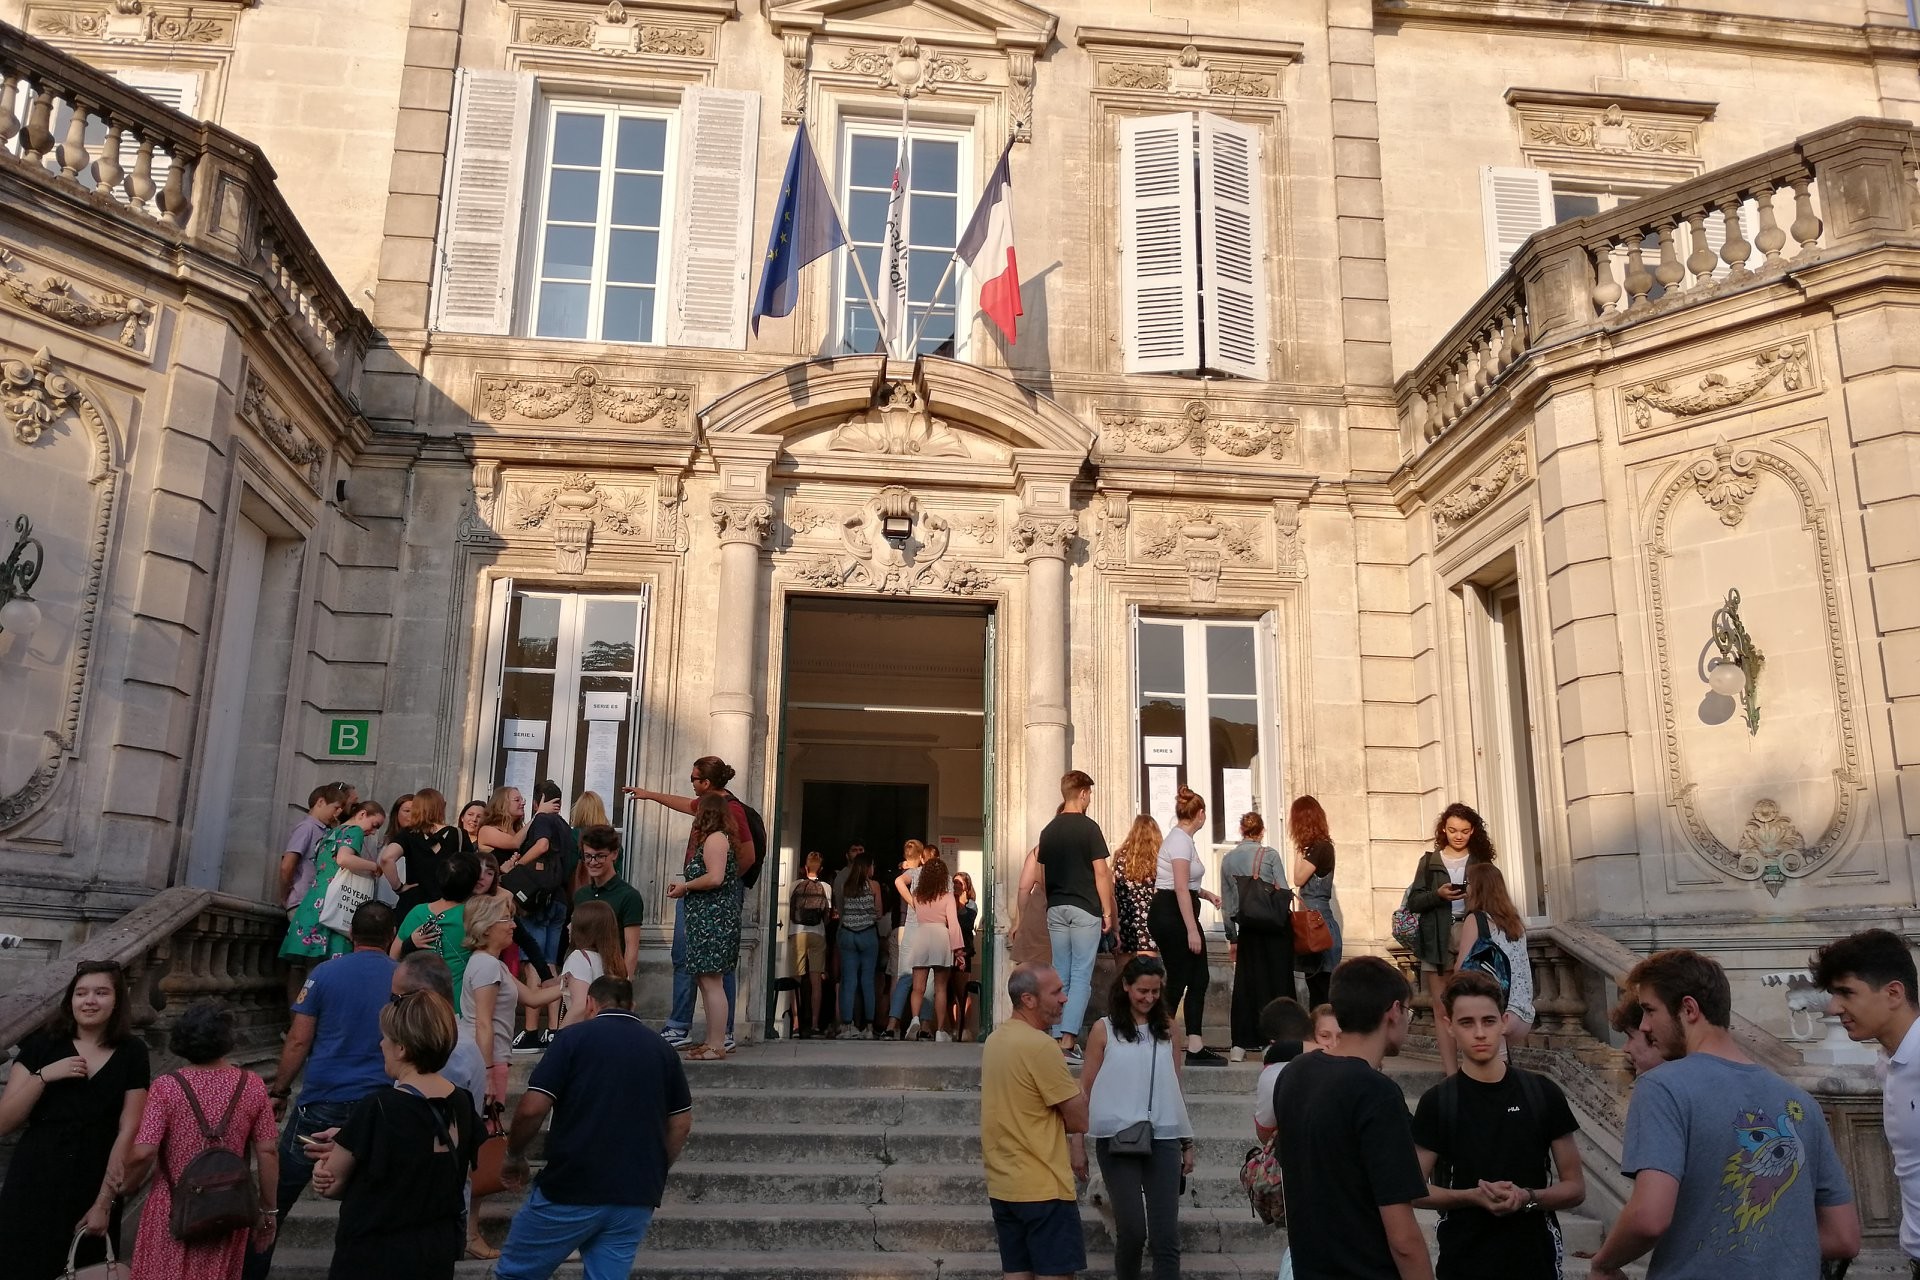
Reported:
(1823, 194)
(184, 945)
(79, 134)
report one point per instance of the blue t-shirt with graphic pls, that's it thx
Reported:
(1753, 1158)
(344, 996)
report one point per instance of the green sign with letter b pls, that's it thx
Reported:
(348, 738)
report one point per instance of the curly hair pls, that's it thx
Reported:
(1137, 860)
(933, 878)
(1479, 844)
(203, 1033)
(713, 814)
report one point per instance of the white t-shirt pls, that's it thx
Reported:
(1178, 847)
(584, 965)
(1457, 872)
(1263, 1095)
(484, 970)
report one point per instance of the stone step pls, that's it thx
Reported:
(706, 1264)
(942, 1109)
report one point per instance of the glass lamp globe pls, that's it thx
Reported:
(20, 616)
(1726, 679)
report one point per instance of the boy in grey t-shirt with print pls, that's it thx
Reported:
(1735, 1175)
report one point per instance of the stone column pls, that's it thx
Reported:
(742, 516)
(1043, 536)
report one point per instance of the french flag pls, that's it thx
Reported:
(987, 249)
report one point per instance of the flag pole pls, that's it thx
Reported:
(935, 301)
(905, 162)
(853, 250)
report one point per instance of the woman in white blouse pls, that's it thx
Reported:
(1174, 922)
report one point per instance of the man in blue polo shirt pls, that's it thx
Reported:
(621, 1114)
(336, 1036)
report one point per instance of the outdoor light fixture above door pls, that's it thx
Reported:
(18, 613)
(1736, 672)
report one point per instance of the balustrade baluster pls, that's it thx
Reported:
(9, 122)
(1912, 170)
(1669, 273)
(1639, 280)
(107, 172)
(1702, 261)
(174, 204)
(1806, 227)
(1770, 239)
(75, 158)
(1736, 249)
(39, 134)
(1606, 287)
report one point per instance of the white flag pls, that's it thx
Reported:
(896, 325)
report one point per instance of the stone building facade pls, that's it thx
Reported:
(1400, 390)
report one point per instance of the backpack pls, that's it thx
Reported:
(749, 872)
(1486, 956)
(811, 899)
(1260, 1176)
(214, 1195)
(535, 885)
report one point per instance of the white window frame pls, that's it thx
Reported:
(1197, 750)
(965, 305)
(547, 110)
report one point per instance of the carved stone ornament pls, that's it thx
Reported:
(895, 568)
(573, 509)
(1809, 855)
(34, 395)
(983, 527)
(55, 299)
(1189, 74)
(1203, 542)
(741, 520)
(280, 431)
(1196, 429)
(670, 493)
(589, 396)
(132, 22)
(905, 67)
(1718, 389)
(898, 424)
(1726, 482)
(1463, 503)
(1111, 510)
(1037, 535)
(1289, 548)
(1609, 130)
(1770, 842)
(615, 33)
(476, 523)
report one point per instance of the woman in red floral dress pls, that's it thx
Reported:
(170, 1134)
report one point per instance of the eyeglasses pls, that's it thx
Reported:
(592, 855)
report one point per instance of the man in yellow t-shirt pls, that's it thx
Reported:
(1029, 1104)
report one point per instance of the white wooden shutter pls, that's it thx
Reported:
(1515, 203)
(480, 213)
(1159, 265)
(177, 89)
(713, 217)
(1233, 248)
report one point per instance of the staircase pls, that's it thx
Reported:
(858, 1159)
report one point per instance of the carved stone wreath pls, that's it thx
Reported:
(1196, 429)
(1787, 362)
(614, 33)
(54, 298)
(588, 395)
(1462, 504)
(129, 22)
(279, 430)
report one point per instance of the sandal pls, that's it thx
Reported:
(481, 1251)
(701, 1053)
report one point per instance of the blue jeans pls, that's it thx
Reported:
(859, 954)
(680, 1017)
(296, 1168)
(546, 931)
(544, 1233)
(903, 991)
(1076, 941)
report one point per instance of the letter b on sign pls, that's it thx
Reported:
(348, 738)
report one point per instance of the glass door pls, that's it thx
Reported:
(566, 702)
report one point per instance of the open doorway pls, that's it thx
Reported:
(885, 736)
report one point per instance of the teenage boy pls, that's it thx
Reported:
(1346, 1143)
(1734, 1173)
(600, 854)
(547, 859)
(1289, 1032)
(325, 804)
(1871, 978)
(1626, 1018)
(1484, 1136)
(1071, 860)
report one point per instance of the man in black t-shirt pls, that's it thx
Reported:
(1079, 880)
(1346, 1148)
(1484, 1136)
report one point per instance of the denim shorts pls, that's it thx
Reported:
(1041, 1237)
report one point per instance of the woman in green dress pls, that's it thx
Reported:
(339, 849)
(713, 916)
(440, 926)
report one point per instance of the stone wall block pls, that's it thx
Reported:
(1360, 197)
(1910, 801)
(1900, 657)
(1362, 237)
(1888, 468)
(1886, 337)
(1389, 679)
(163, 655)
(427, 88)
(407, 258)
(1356, 120)
(1562, 423)
(1352, 80)
(1588, 647)
(1363, 277)
(412, 216)
(1406, 814)
(1603, 826)
(143, 784)
(1593, 705)
(1349, 44)
(1572, 478)
(1598, 766)
(170, 590)
(352, 589)
(191, 467)
(1356, 158)
(1395, 771)
(1881, 404)
(1896, 598)
(416, 173)
(1386, 635)
(433, 47)
(1906, 732)
(421, 129)
(1893, 532)
(1574, 536)
(1383, 587)
(1580, 591)
(183, 529)
(1391, 724)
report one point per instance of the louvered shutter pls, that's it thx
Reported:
(179, 90)
(1515, 203)
(1233, 248)
(713, 215)
(1159, 264)
(480, 214)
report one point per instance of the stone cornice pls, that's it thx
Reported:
(1679, 108)
(1120, 39)
(1660, 24)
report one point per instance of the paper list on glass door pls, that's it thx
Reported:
(603, 748)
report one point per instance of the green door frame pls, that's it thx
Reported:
(985, 935)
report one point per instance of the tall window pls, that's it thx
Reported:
(932, 228)
(1200, 687)
(600, 265)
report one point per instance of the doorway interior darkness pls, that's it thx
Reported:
(885, 735)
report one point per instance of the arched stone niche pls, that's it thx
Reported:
(63, 463)
(1783, 801)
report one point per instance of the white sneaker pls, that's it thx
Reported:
(1237, 1054)
(674, 1036)
(913, 1029)
(941, 1037)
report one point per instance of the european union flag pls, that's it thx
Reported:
(805, 225)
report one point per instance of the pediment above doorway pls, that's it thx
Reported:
(864, 416)
(980, 24)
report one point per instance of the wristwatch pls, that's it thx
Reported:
(1533, 1203)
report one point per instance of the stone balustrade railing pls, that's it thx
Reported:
(77, 132)
(1826, 192)
(184, 945)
